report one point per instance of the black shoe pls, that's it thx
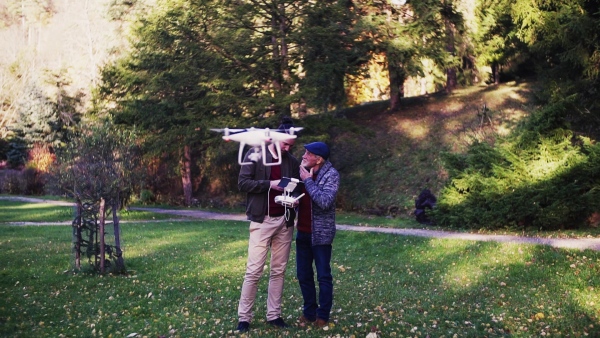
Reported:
(278, 323)
(243, 326)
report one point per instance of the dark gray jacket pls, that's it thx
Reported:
(323, 192)
(254, 181)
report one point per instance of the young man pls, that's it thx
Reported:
(268, 231)
(315, 233)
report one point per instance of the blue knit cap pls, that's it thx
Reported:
(318, 148)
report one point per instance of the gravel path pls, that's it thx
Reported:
(591, 243)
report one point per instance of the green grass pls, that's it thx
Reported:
(184, 281)
(14, 211)
(406, 222)
(34, 212)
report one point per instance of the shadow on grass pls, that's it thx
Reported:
(186, 277)
(435, 287)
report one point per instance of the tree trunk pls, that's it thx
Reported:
(277, 78)
(495, 73)
(119, 261)
(397, 78)
(451, 80)
(186, 174)
(281, 74)
(77, 235)
(101, 234)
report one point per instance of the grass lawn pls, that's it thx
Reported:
(14, 211)
(184, 281)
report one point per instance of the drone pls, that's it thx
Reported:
(258, 139)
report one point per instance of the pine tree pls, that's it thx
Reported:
(38, 122)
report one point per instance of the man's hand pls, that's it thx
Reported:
(275, 185)
(304, 174)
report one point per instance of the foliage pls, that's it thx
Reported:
(16, 154)
(41, 122)
(543, 176)
(563, 38)
(185, 278)
(4, 146)
(12, 182)
(408, 35)
(331, 51)
(98, 163)
(36, 123)
(40, 157)
(496, 39)
(563, 35)
(172, 88)
(27, 181)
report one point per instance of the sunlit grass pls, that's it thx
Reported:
(15, 211)
(184, 281)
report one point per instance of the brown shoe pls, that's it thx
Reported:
(304, 321)
(321, 322)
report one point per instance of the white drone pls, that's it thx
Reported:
(258, 139)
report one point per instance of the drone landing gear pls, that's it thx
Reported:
(256, 155)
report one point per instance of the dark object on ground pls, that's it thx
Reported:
(426, 200)
(278, 323)
(243, 327)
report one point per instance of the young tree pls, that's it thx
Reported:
(99, 168)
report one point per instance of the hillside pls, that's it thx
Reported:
(398, 155)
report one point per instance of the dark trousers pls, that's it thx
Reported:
(306, 254)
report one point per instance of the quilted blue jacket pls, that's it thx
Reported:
(323, 192)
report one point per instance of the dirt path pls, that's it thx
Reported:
(570, 243)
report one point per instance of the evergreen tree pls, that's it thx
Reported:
(330, 50)
(496, 38)
(408, 33)
(173, 86)
(563, 39)
(38, 121)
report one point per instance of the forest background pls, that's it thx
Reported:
(410, 95)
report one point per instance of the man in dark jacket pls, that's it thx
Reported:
(268, 231)
(316, 231)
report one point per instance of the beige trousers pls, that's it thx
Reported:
(274, 235)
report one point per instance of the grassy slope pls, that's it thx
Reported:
(386, 172)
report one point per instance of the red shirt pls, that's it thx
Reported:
(305, 211)
(275, 210)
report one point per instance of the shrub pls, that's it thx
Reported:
(147, 196)
(40, 157)
(543, 177)
(12, 182)
(33, 180)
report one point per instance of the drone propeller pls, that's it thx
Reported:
(227, 131)
(291, 130)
